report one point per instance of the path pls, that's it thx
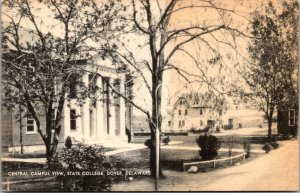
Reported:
(221, 149)
(277, 170)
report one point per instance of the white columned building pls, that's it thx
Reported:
(101, 120)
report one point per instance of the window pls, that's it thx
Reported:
(179, 125)
(74, 81)
(186, 112)
(92, 83)
(30, 124)
(292, 117)
(201, 112)
(73, 119)
(179, 112)
(201, 123)
(220, 112)
(169, 123)
(183, 122)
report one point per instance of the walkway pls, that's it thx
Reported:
(44, 160)
(276, 171)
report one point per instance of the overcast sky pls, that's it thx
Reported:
(233, 63)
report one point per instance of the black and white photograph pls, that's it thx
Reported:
(149, 95)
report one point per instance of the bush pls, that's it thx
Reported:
(166, 140)
(148, 143)
(68, 142)
(81, 158)
(267, 147)
(275, 145)
(247, 148)
(209, 146)
(193, 130)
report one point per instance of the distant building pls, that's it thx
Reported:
(196, 110)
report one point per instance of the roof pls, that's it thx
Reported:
(201, 100)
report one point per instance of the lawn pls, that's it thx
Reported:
(190, 141)
(171, 159)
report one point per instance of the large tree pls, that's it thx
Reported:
(40, 60)
(274, 59)
(156, 24)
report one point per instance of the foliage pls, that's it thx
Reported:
(40, 65)
(81, 158)
(209, 146)
(166, 140)
(267, 147)
(68, 142)
(273, 53)
(148, 143)
(274, 144)
(247, 148)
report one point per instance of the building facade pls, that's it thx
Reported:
(196, 111)
(95, 121)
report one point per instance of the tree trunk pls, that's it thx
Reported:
(155, 119)
(269, 129)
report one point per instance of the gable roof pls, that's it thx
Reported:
(200, 100)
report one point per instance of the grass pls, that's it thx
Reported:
(171, 159)
(190, 141)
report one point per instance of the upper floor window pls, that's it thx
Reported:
(201, 111)
(179, 112)
(186, 112)
(73, 85)
(169, 123)
(92, 83)
(30, 124)
(292, 117)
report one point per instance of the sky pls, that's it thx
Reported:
(233, 61)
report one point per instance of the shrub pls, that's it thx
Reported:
(209, 146)
(166, 140)
(193, 129)
(68, 142)
(148, 143)
(81, 158)
(267, 147)
(247, 148)
(275, 145)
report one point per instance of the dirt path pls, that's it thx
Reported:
(277, 170)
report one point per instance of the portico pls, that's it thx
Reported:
(99, 119)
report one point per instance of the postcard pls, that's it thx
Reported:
(149, 95)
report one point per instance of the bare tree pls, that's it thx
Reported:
(156, 27)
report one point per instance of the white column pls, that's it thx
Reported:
(112, 112)
(122, 108)
(99, 111)
(86, 113)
